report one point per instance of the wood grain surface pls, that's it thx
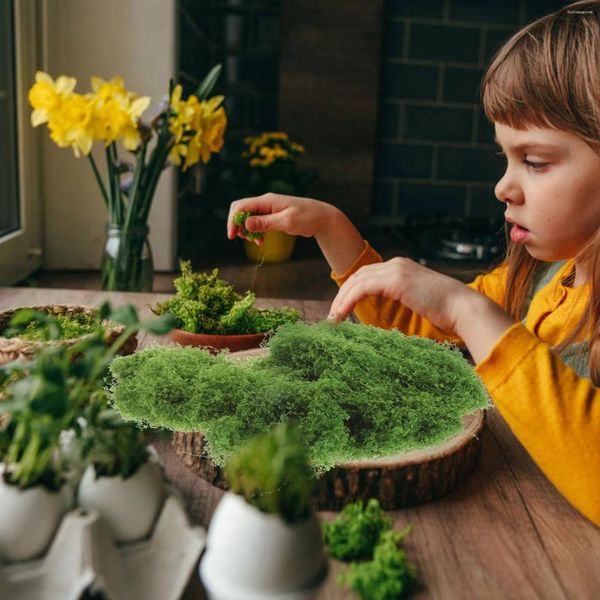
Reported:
(506, 533)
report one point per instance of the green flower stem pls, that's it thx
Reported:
(98, 178)
(114, 182)
(134, 192)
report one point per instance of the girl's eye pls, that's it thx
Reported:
(534, 165)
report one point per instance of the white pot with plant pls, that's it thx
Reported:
(41, 400)
(120, 481)
(264, 540)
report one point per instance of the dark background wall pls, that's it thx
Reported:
(434, 154)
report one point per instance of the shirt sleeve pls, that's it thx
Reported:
(391, 314)
(553, 412)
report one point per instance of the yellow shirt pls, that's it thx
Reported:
(553, 411)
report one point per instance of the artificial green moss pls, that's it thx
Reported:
(356, 391)
(204, 303)
(69, 327)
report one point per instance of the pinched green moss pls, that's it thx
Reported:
(240, 220)
(356, 391)
(204, 303)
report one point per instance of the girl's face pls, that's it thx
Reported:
(551, 188)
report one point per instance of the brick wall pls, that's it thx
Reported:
(435, 154)
(435, 150)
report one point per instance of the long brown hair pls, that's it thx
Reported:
(548, 75)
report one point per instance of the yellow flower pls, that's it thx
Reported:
(45, 95)
(117, 112)
(198, 128)
(70, 123)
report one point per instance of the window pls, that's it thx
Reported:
(20, 214)
(9, 180)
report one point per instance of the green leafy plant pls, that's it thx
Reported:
(389, 576)
(356, 531)
(240, 220)
(355, 391)
(48, 395)
(206, 304)
(272, 473)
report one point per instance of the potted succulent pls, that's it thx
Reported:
(264, 539)
(41, 400)
(209, 313)
(270, 166)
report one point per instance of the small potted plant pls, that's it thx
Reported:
(209, 313)
(270, 166)
(41, 400)
(120, 481)
(264, 539)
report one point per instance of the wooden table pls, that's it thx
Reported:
(506, 533)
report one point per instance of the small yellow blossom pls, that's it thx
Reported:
(45, 95)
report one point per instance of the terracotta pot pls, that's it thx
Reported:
(214, 343)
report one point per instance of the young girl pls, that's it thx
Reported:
(533, 324)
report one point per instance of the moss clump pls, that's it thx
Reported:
(272, 473)
(240, 220)
(206, 304)
(389, 576)
(354, 533)
(355, 391)
(66, 326)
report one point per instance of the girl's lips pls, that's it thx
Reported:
(518, 234)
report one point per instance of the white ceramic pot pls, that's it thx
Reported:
(129, 506)
(28, 519)
(253, 555)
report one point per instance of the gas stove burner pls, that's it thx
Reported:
(462, 244)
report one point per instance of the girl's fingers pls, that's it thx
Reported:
(361, 285)
(264, 204)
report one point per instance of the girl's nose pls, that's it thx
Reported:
(507, 190)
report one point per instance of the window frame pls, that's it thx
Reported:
(21, 249)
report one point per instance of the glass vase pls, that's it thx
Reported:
(127, 264)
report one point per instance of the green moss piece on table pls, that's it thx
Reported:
(355, 532)
(240, 220)
(356, 391)
(70, 326)
(389, 576)
(204, 303)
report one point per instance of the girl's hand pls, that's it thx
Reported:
(449, 304)
(276, 212)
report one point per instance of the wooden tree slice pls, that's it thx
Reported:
(396, 481)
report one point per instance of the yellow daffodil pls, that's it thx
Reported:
(70, 123)
(117, 112)
(45, 95)
(198, 128)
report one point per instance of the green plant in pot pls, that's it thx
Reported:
(270, 166)
(209, 312)
(264, 539)
(42, 401)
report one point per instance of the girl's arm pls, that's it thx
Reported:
(337, 237)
